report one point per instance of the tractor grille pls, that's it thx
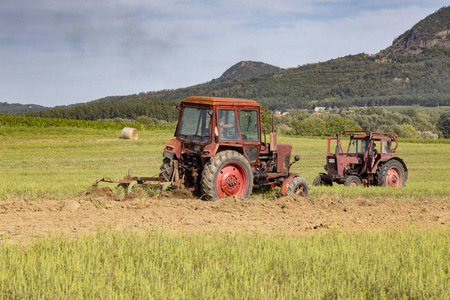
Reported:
(286, 161)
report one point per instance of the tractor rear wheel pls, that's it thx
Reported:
(298, 186)
(352, 181)
(391, 173)
(167, 167)
(228, 174)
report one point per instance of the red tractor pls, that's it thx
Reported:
(368, 158)
(219, 151)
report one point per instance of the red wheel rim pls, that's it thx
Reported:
(393, 178)
(300, 190)
(231, 181)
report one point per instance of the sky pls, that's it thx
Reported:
(60, 52)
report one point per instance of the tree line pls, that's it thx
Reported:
(406, 122)
(150, 112)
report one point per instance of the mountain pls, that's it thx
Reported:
(245, 69)
(432, 31)
(414, 70)
(16, 108)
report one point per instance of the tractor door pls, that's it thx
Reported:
(227, 122)
(331, 166)
(248, 125)
(240, 128)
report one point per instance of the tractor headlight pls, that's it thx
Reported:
(198, 148)
(331, 160)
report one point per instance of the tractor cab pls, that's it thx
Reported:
(209, 125)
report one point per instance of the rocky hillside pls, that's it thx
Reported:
(432, 31)
(246, 69)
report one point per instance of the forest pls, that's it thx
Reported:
(407, 122)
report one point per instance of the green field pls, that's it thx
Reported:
(63, 162)
(412, 263)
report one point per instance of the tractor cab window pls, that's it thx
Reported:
(357, 146)
(385, 146)
(195, 125)
(249, 125)
(228, 125)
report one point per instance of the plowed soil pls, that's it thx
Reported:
(179, 211)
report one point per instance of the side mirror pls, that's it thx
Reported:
(296, 159)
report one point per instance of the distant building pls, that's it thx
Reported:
(319, 108)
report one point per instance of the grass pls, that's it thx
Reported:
(63, 162)
(411, 264)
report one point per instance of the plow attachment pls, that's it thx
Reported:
(129, 181)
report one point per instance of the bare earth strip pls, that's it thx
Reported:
(177, 211)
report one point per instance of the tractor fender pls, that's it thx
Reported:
(210, 150)
(286, 183)
(238, 149)
(399, 160)
(172, 149)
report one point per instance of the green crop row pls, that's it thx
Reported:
(406, 264)
(37, 122)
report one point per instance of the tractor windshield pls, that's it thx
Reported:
(357, 146)
(195, 125)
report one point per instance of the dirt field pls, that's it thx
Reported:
(177, 211)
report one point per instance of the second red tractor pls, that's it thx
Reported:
(363, 157)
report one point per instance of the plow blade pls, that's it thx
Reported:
(130, 181)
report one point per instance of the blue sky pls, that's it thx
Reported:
(59, 52)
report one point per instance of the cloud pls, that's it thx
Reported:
(82, 50)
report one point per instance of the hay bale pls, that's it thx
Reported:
(130, 134)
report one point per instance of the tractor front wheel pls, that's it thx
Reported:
(298, 186)
(318, 181)
(391, 173)
(228, 174)
(352, 181)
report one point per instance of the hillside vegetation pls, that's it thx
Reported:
(16, 108)
(372, 80)
(413, 71)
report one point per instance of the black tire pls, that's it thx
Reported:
(318, 181)
(167, 165)
(228, 174)
(298, 186)
(391, 173)
(352, 181)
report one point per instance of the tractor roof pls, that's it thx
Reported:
(219, 101)
(366, 134)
